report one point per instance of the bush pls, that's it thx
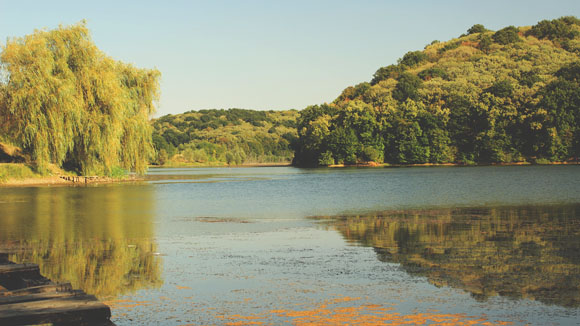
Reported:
(506, 35)
(407, 87)
(384, 73)
(326, 159)
(118, 172)
(502, 88)
(477, 28)
(555, 29)
(411, 59)
(449, 46)
(485, 43)
(432, 73)
(15, 171)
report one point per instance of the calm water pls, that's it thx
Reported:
(286, 246)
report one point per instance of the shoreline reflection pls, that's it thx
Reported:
(516, 252)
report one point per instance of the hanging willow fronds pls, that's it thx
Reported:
(65, 102)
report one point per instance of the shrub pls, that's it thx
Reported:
(432, 73)
(555, 29)
(15, 171)
(326, 159)
(477, 28)
(413, 58)
(384, 73)
(502, 88)
(407, 87)
(506, 35)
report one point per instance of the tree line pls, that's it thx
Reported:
(217, 137)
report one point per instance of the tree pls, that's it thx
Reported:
(506, 35)
(477, 28)
(407, 87)
(555, 29)
(485, 43)
(392, 71)
(413, 58)
(69, 104)
(502, 88)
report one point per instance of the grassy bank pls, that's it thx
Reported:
(16, 171)
(20, 174)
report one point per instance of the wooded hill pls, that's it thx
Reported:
(233, 136)
(487, 96)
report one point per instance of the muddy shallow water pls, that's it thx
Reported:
(274, 246)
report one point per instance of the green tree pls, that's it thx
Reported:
(69, 104)
(412, 59)
(477, 28)
(506, 35)
(485, 43)
(392, 71)
(407, 87)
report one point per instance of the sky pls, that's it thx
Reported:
(267, 55)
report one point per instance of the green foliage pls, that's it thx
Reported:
(507, 35)
(501, 104)
(67, 103)
(412, 59)
(118, 172)
(485, 43)
(407, 87)
(326, 159)
(384, 73)
(433, 72)
(502, 88)
(15, 171)
(529, 78)
(561, 28)
(233, 137)
(477, 28)
(449, 46)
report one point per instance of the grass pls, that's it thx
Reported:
(15, 171)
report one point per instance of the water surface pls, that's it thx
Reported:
(297, 246)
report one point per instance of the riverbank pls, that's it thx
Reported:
(220, 165)
(21, 175)
(65, 181)
(387, 165)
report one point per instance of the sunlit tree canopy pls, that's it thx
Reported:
(65, 102)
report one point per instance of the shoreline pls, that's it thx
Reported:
(65, 181)
(387, 165)
(200, 165)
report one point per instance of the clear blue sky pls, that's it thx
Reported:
(267, 54)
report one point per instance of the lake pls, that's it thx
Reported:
(287, 246)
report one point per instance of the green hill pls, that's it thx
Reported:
(506, 96)
(217, 137)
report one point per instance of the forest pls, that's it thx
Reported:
(217, 137)
(511, 95)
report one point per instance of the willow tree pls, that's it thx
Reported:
(67, 103)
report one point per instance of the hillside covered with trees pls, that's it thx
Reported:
(233, 137)
(510, 95)
(65, 103)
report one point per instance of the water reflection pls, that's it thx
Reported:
(518, 252)
(98, 238)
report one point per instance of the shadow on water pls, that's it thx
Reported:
(98, 238)
(516, 252)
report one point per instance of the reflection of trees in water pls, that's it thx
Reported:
(97, 238)
(517, 252)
